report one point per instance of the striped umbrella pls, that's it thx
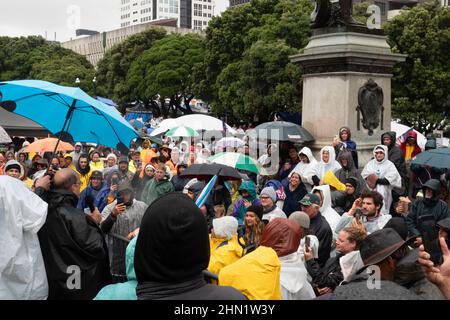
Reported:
(182, 131)
(236, 160)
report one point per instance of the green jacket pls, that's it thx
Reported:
(155, 189)
(127, 290)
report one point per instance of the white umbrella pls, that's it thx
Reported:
(230, 142)
(195, 121)
(4, 137)
(400, 129)
(164, 125)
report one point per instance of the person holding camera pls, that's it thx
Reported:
(71, 240)
(120, 220)
(366, 209)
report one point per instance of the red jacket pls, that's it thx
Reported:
(417, 150)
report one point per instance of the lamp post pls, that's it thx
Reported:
(94, 83)
(77, 82)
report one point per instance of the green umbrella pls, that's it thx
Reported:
(182, 131)
(236, 160)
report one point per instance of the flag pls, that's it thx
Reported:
(205, 192)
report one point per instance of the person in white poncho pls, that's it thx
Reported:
(306, 167)
(382, 176)
(327, 163)
(326, 210)
(22, 270)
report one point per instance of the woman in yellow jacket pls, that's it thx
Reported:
(224, 245)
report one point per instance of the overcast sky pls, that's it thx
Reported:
(36, 17)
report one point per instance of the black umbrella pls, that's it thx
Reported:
(205, 171)
(283, 131)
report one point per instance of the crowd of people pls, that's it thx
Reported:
(97, 224)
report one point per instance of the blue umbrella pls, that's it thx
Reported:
(67, 111)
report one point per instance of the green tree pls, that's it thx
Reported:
(421, 84)
(35, 58)
(264, 81)
(231, 42)
(112, 70)
(165, 71)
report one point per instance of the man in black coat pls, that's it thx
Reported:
(72, 244)
(430, 204)
(319, 226)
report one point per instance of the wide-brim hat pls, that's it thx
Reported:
(165, 147)
(379, 245)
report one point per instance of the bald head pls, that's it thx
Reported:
(65, 179)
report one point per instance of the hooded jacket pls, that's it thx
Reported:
(71, 238)
(226, 249)
(385, 170)
(85, 175)
(331, 165)
(346, 172)
(306, 170)
(403, 146)
(127, 290)
(327, 211)
(22, 269)
(256, 275)
(422, 206)
(283, 236)
(348, 145)
(172, 250)
(395, 155)
(239, 208)
(155, 189)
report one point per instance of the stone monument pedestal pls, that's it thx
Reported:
(337, 63)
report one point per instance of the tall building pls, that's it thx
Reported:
(234, 3)
(193, 14)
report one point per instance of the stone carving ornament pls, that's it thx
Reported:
(370, 105)
(332, 13)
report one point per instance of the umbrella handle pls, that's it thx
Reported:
(68, 116)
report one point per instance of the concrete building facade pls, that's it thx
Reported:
(193, 14)
(94, 47)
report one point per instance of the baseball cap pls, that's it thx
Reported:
(310, 199)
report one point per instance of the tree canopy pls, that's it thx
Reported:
(421, 84)
(165, 71)
(35, 58)
(112, 70)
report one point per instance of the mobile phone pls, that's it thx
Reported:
(119, 200)
(115, 181)
(307, 242)
(430, 238)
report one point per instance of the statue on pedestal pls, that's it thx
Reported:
(331, 14)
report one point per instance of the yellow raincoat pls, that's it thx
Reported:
(256, 275)
(224, 255)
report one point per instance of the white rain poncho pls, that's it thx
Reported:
(384, 169)
(22, 270)
(332, 165)
(293, 279)
(326, 210)
(306, 170)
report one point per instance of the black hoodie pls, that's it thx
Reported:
(422, 206)
(395, 155)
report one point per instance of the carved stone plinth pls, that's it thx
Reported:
(337, 65)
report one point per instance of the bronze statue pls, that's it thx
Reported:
(328, 14)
